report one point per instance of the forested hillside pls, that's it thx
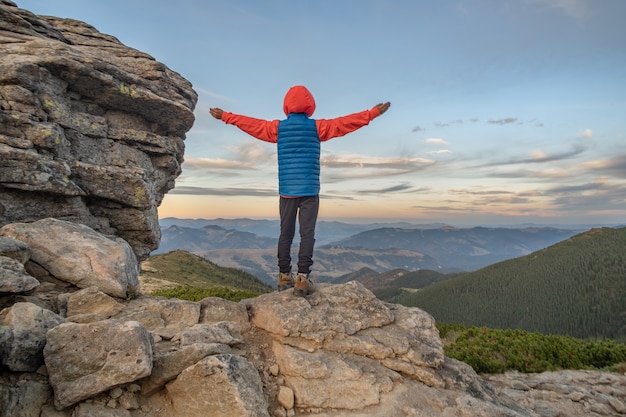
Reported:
(576, 287)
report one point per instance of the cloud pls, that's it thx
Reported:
(247, 156)
(551, 174)
(538, 157)
(598, 197)
(447, 124)
(614, 167)
(436, 141)
(447, 209)
(418, 129)
(205, 92)
(400, 188)
(208, 164)
(441, 151)
(486, 192)
(397, 163)
(253, 152)
(225, 191)
(500, 122)
(587, 134)
(502, 200)
(505, 121)
(578, 188)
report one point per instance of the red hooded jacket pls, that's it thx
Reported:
(299, 100)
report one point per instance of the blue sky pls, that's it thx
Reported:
(503, 111)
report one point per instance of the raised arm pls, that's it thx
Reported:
(265, 130)
(340, 126)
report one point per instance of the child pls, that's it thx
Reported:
(298, 140)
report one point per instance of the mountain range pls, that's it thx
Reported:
(343, 248)
(576, 287)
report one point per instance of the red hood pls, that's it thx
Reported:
(299, 100)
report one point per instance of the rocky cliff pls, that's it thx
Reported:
(93, 130)
(90, 139)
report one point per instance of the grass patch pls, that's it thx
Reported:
(197, 294)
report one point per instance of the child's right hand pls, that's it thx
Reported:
(216, 112)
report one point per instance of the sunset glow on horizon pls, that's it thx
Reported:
(502, 111)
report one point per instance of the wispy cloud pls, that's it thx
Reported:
(538, 157)
(498, 122)
(208, 164)
(436, 141)
(480, 192)
(225, 191)
(614, 167)
(447, 124)
(587, 134)
(400, 188)
(595, 197)
(398, 163)
(440, 151)
(505, 121)
(548, 174)
(446, 209)
(211, 94)
(247, 156)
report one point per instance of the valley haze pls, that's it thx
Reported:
(343, 248)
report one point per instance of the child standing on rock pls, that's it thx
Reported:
(298, 139)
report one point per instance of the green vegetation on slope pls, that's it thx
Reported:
(496, 351)
(410, 281)
(197, 294)
(188, 270)
(576, 287)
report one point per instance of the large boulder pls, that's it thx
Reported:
(91, 131)
(225, 385)
(343, 349)
(90, 302)
(86, 359)
(77, 254)
(164, 317)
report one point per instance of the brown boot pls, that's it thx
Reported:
(304, 286)
(285, 281)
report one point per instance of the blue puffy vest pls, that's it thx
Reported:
(298, 156)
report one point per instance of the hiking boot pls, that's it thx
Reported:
(285, 281)
(304, 286)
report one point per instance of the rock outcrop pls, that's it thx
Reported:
(93, 130)
(71, 351)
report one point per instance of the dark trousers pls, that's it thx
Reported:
(305, 209)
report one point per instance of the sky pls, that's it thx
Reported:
(502, 111)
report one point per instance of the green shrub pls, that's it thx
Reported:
(197, 294)
(496, 351)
